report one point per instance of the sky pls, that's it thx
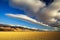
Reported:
(5, 8)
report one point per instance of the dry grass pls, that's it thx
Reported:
(29, 35)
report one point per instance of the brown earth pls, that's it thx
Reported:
(15, 28)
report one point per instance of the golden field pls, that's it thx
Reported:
(29, 35)
(8, 32)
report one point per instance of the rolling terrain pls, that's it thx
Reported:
(4, 27)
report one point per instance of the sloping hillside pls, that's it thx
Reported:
(4, 27)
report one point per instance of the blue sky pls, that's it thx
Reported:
(5, 8)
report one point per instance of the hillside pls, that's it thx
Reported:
(4, 27)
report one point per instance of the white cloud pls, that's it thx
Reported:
(20, 16)
(46, 15)
(29, 4)
(50, 15)
(26, 18)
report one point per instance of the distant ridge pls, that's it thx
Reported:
(5, 27)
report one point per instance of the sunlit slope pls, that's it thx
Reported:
(4, 27)
(29, 35)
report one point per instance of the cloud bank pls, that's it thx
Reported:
(21, 16)
(25, 18)
(35, 8)
(29, 6)
(50, 15)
